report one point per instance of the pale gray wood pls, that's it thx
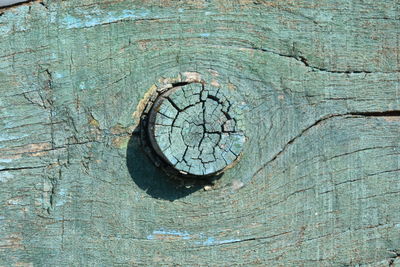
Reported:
(10, 2)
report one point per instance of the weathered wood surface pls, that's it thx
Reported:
(195, 129)
(318, 183)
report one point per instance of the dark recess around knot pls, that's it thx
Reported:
(146, 170)
(153, 180)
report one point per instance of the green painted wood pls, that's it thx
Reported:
(318, 182)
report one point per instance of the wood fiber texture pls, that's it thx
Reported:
(318, 183)
(196, 129)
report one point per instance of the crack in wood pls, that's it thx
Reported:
(24, 168)
(194, 130)
(5, 4)
(305, 62)
(388, 113)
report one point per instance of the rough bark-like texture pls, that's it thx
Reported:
(195, 129)
(318, 182)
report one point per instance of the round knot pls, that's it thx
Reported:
(195, 130)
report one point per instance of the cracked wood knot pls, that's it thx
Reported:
(196, 131)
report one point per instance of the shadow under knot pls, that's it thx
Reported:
(154, 181)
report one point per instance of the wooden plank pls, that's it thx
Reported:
(318, 182)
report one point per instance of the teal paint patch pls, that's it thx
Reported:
(5, 176)
(174, 233)
(61, 197)
(207, 241)
(6, 160)
(211, 241)
(58, 75)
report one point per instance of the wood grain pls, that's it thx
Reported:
(318, 182)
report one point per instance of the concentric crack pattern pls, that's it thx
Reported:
(195, 129)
